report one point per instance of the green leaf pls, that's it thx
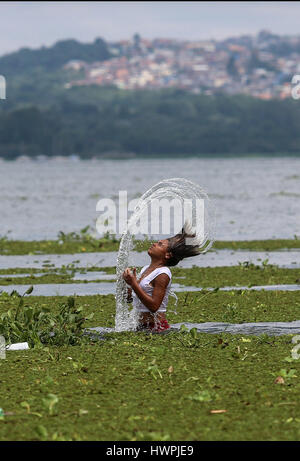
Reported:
(29, 313)
(202, 396)
(50, 401)
(25, 405)
(41, 431)
(30, 290)
(194, 333)
(71, 302)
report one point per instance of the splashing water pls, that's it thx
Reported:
(174, 188)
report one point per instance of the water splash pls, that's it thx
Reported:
(174, 188)
(173, 294)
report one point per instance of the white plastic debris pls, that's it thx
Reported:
(17, 347)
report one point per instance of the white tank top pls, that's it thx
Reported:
(148, 288)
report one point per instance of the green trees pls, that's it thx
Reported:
(96, 120)
(54, 57)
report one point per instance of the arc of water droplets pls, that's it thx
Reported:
(174, 188)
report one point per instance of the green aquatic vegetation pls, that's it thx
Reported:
(189, 338)
(49, 402)
(81, 236)
(29, 412)
(66, 243)
(21, 270)
(242, 275)
(258, 245)
(150, 436)
(245, 274)
(116, 398)
(136, 386)
(195, 307)
(62, 274)
(63, 270)
(66, 269)
(46, 279)
(4, 239)
(153, 370)
(236, 307)
(83, 242)
(230, 312)
(36, 280)
(287, 374)
(84, 237)
(203, 396)
(38, 325)
(264, 264)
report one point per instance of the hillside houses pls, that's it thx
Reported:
(256, 66)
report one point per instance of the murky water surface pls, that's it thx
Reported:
(107, 288)
(40, 198)
(219, 258)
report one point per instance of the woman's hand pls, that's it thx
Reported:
(130, 277)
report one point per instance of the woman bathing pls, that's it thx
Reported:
(150, 293)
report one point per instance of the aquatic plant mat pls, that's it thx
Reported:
(177, 386)
(82, 242)
(152, 387)
(245, 274)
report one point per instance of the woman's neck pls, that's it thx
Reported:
(154, 264)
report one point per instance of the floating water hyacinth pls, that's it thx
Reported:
(192, 198)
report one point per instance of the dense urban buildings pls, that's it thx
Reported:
(261, 66)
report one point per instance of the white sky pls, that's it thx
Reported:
(33, 24)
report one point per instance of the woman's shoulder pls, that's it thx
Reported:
(164, 270)
(158, 271)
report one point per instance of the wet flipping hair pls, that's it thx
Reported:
(183, 245)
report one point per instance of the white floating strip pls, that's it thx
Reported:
(254, 328)
(17, 347)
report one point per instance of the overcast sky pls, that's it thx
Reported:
(33, 24)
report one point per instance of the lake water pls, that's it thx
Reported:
(288, 259)
(109, 288)
(255, 198)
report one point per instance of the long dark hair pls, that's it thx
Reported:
(183, 245)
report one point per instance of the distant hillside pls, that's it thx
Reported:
(42, 116)
(52, 58)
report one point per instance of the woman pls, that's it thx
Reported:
(150, 293)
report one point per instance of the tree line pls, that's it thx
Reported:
(95, 121)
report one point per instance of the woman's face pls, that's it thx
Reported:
(159, 249)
